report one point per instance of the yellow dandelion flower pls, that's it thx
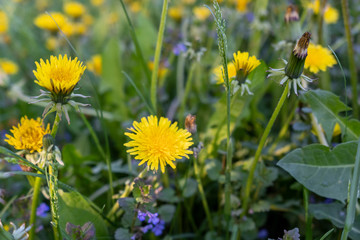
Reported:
(4, 22)
(331, 15)
(28, 135)
(318, 58)
(241, 5)
(314, 6)
(59, 75)
(218, 72)
(8, 67)
(162, 70)
(95, 64)
(97, 3)
(155, 142)
(51, 43)
(176, 12)
(245, 64)
(74, 9)
(44, 21)
(201, 13)
(135, 7)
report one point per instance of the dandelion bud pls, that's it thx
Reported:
(48, 141)
(295, 66)
(291, 14)
(190, 123)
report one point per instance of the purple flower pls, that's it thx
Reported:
(42, 210)
(262, 234)
(153, 218)
(133, 237)
(159, 228)
(250, 16)
(141, 216)
(179, 48)
(146, 228)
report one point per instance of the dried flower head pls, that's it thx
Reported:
(190, 123)
(158, 142)
(291, 14)
(293, 71)
(28, 135)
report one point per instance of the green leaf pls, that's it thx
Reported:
(122, 234)
(189, 186)
(16, 159)
(74, 208)
(166, 212)
(326, 107)
(335, 212)
(4, 235)
(323, 171)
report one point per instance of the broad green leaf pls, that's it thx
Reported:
(189, 186)
(166, 212)
(122, 234)
(326, 107)
(74, 208)
(323, 171)
(336, 213)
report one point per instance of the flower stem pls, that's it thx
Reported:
(350, 50)
(34, 205)
(308, 218)
(186, 93)
(246, 194)
(352, 199)
(55, 125)
(154, 75)
(202, 194)
(54, 200)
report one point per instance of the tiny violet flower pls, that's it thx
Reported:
(179, 48)
(141, 216)
(146, 228)
(159, 228)
(263, 234)
(42, 210)
(153, 218)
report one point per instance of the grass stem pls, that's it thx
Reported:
(159, 42)
(34, 205)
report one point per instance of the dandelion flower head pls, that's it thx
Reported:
(318, 58)
(201, 13)
(331, 15)
(157, 142)
(8, 67)
(51, 22)
(4, 22)
(28, 135)
(176, 12)
(95, 64)
(219, 73)
(241, 5)
(59, 75)
(74, 9)
(245, 64)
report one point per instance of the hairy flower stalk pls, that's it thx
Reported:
(292, 74)
(52, 158)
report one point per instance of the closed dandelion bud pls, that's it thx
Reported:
(295, 66)
(190, 123)
(291, 14)
(48, 141)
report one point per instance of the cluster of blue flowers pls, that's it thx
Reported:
(155, 224)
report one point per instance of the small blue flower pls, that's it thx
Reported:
(179, 48)
(133, 237)
(141, 216)
(146, 228)
(153, 218)
(159, 228)
(263, 234)
(42, 210)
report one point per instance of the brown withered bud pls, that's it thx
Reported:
(302, 45)
(190, 123)
(292, 14)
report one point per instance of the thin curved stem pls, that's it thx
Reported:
(159, 42)
(246, 194)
